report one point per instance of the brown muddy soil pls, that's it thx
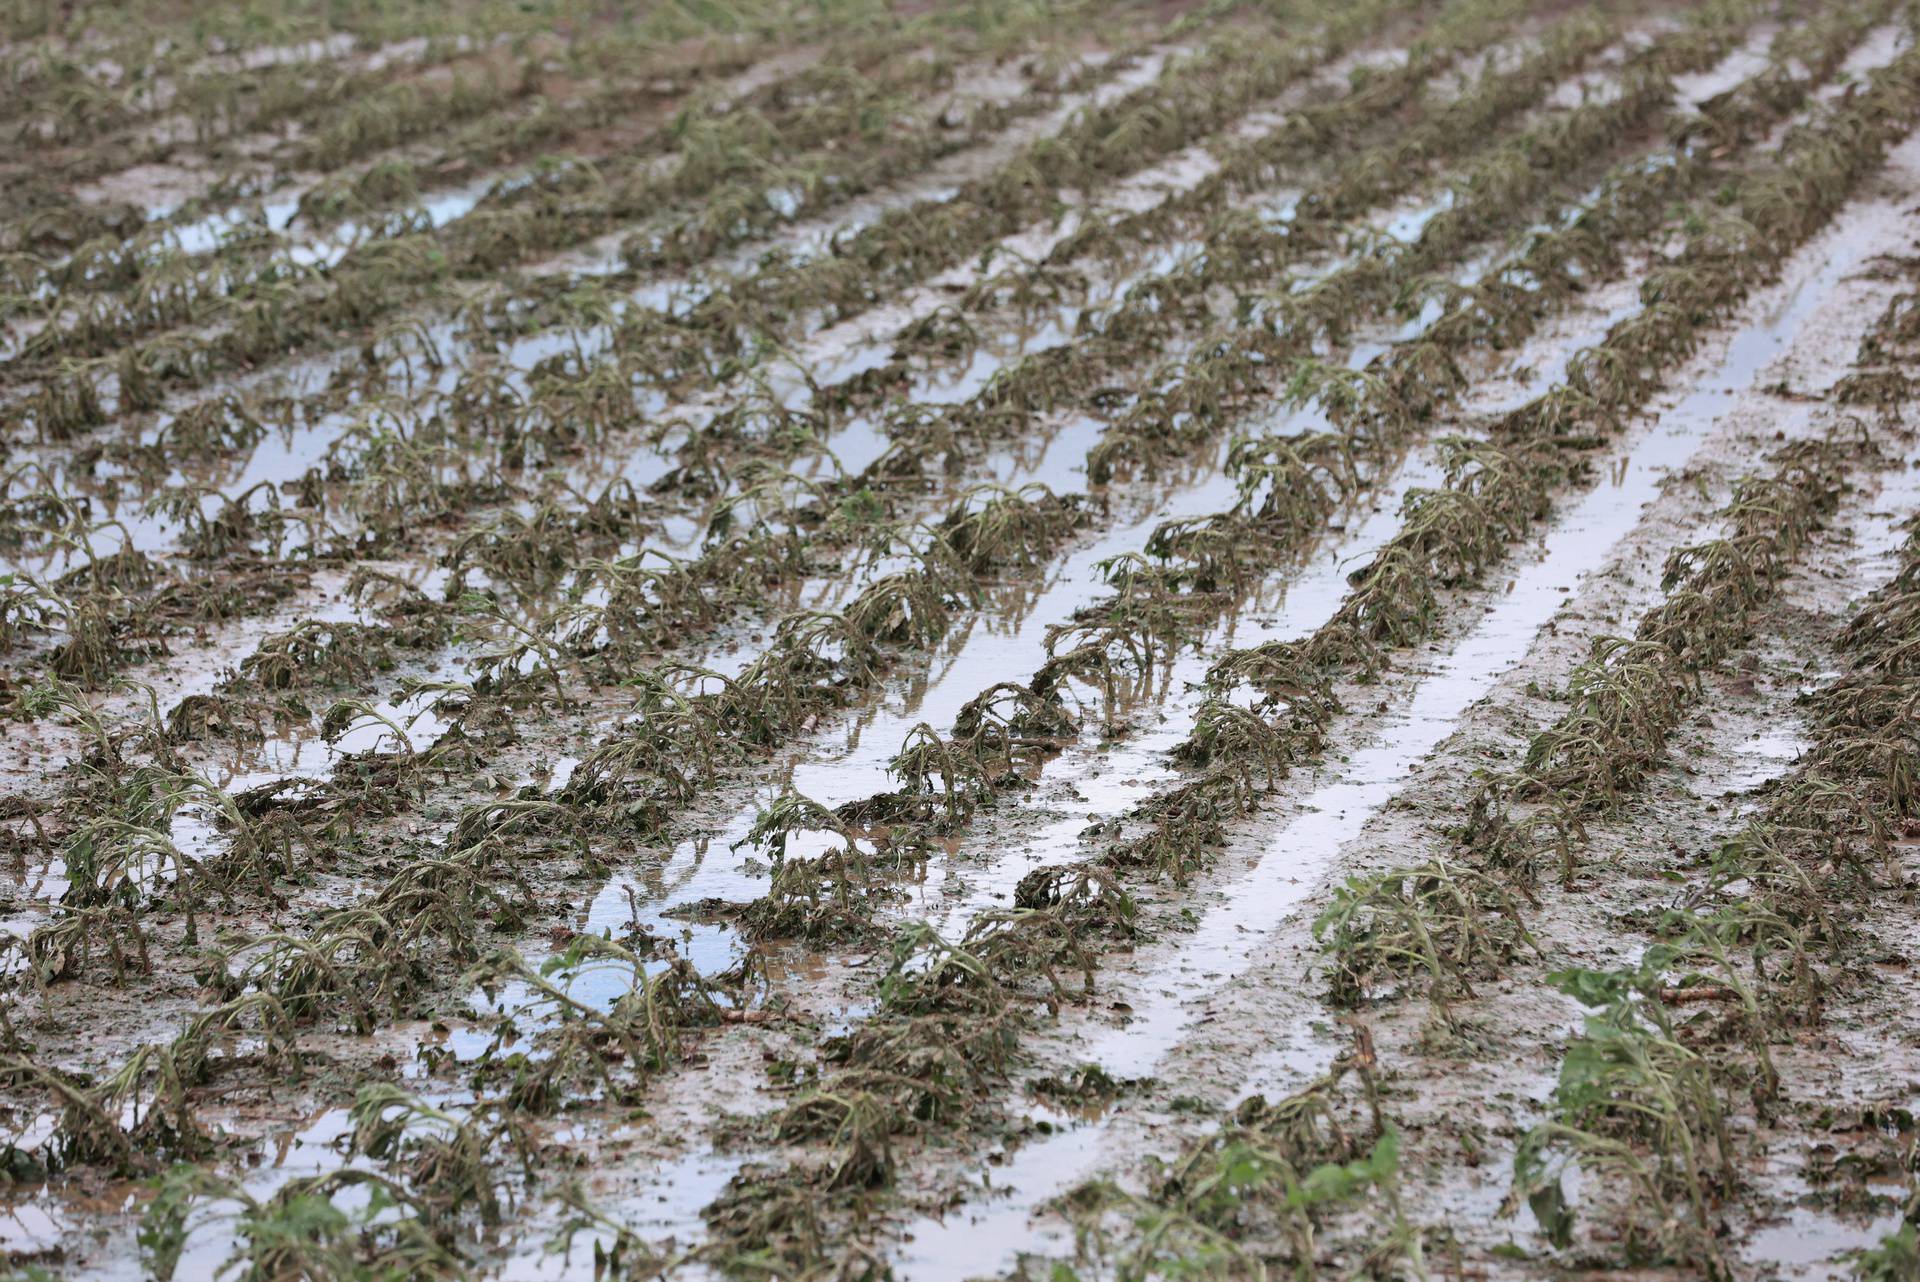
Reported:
(841, 644)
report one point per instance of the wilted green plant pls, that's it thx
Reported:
(1636, 1104)
(123, 1122)
(300, 1231)
(447, 1159)
(1260, 1186)
(642, 1027)
(1896, 1258)
(1437, 924)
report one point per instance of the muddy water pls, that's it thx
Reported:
(297, 1148)
(808, 237)
(1111, 776)
(1265, 884)
(1767, 756)
(1750, 59)
(856, 768)
(1813, 1243)
(713, 867)
(663, 1211)
(285, 456)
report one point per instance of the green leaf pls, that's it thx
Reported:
(1341, 1182)
(1592, 988)
(1549, 1205)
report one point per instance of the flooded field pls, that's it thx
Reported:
(1056, 642)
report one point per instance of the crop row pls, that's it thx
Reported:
(729, 171)
(905, 595)
(1645, 1098)
(383, 954)
(356, 942)
(408, 495)
(268, 307)
(959, 997)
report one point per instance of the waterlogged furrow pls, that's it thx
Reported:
(964, 977)
(1631, 695)
(446, 498)
(308, 293)
(1439, 928)
(729, 564)
(358, 933)
(691, 591)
